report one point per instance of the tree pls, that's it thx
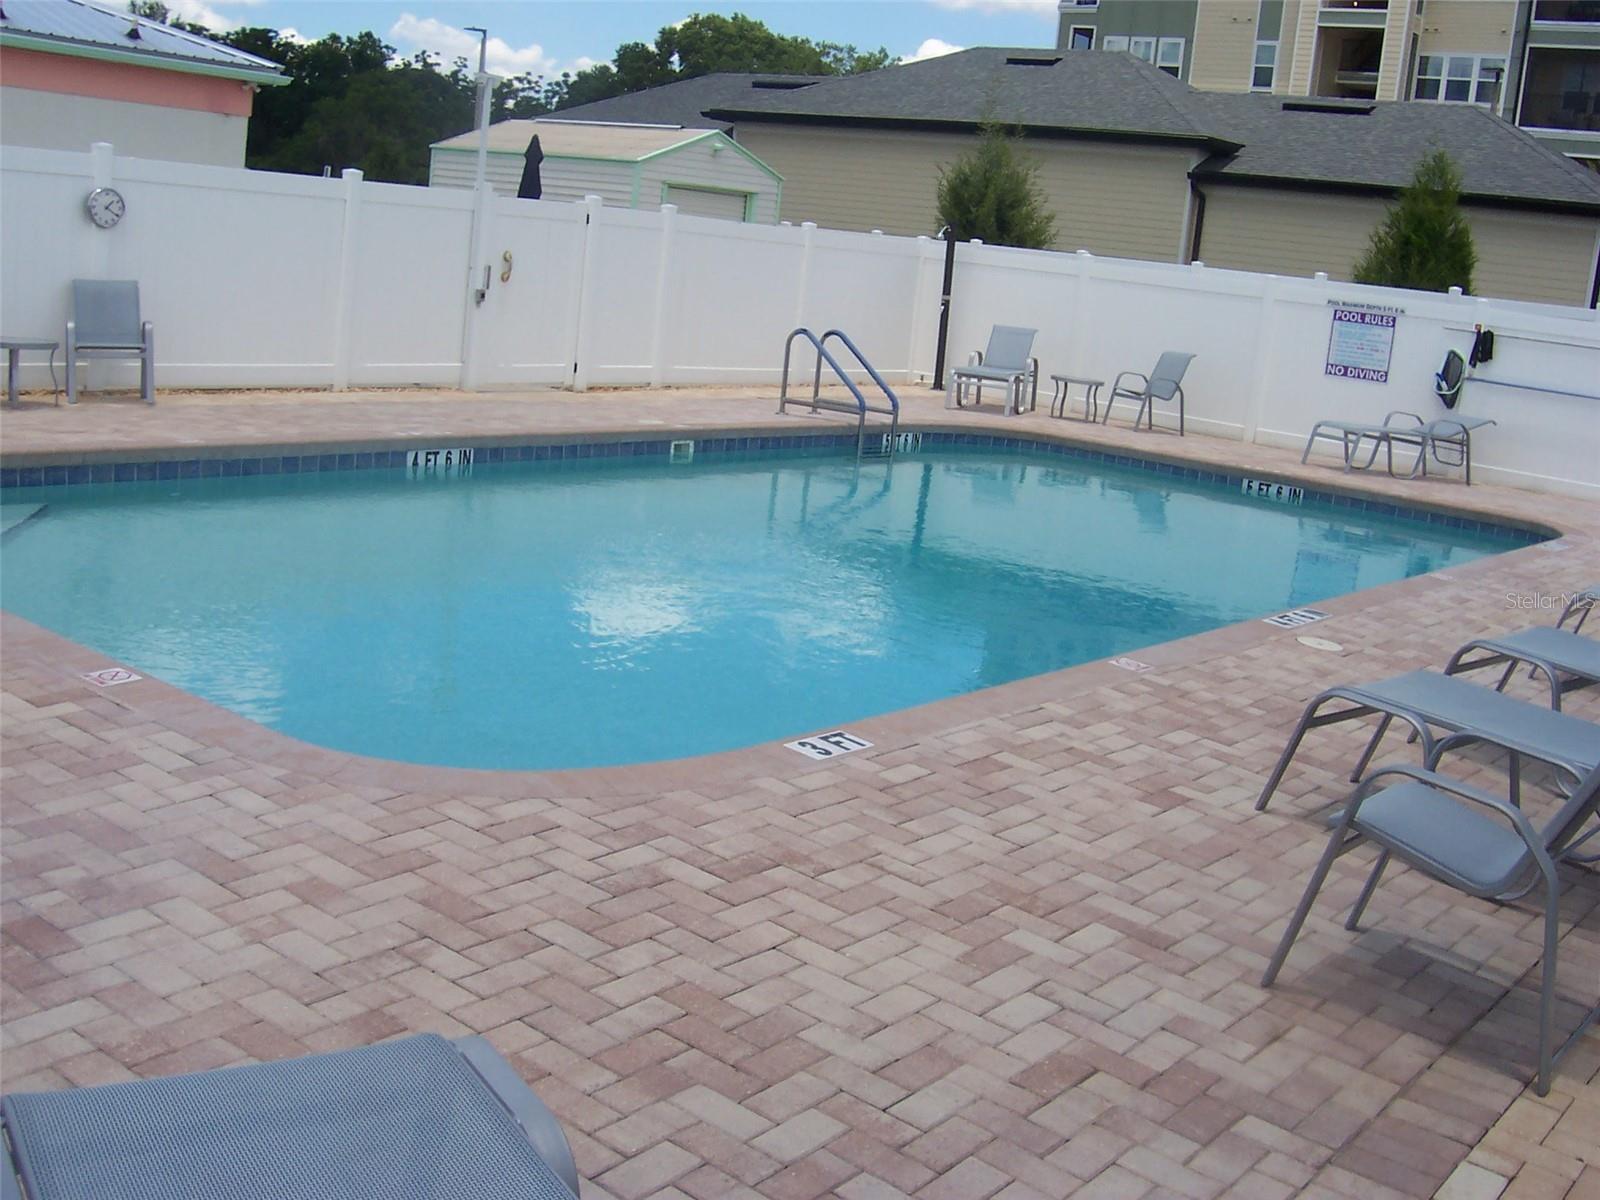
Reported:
(384, 123)
(1423, 242)
(993, 192)
(706, 43)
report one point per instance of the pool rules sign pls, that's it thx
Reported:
(1362, 341)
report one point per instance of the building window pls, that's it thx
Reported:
(1169, 56)
(1566, 11)
(1561, 90)
(1114, 42)
(1459, 78)
(1266, 67)
(1143, 47)
(1081, 38)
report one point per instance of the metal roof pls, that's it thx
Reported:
(619, 143)
(79, 27)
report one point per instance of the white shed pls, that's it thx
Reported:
(702, 171)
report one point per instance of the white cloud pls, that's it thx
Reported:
(412, 33)
(290, 34)
(1042, 8)
(202, 13)
(931, 48)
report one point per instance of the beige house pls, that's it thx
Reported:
(703, 171)
(1138, 164)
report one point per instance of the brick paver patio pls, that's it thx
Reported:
(1011, 952)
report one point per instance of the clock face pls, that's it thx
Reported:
(105, 206)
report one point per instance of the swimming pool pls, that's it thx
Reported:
(607, 611)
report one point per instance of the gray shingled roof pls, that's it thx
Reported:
(1081, 92)
(686, 101)
(1379, 144)
(1255, 138)
(75, 24)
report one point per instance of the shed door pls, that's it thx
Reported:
(703, 202)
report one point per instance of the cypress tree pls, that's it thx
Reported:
(1423, 242)
(993, 192)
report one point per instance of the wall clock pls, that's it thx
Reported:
(105, 206)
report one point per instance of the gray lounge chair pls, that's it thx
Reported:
(105, 324)
(1566, 659)
(1579, 606)
(1448, 440)
(421, 1118)
(1427, 701)
(1008, 361)
(1468, 839)
(1164, 383)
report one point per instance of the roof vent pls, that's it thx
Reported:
(1345, 108)
(133, 33)
(1018, 60)
(782, 85)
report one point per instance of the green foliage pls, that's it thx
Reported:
(1423, 242)
(384, 121)
(993, 192)
(350, 103)
(706, 43)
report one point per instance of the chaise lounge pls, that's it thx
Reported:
(420, 1118)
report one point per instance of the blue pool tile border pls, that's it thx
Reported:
(721, 444)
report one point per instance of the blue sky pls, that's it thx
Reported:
(555, 35)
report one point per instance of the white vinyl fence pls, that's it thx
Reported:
(257, 279)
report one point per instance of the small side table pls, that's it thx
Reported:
(14, 348)
(1091, 396)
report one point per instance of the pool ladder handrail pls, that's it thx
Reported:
(860, 408)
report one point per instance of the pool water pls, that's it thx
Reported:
(548, 615)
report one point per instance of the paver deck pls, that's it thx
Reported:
(1010, 952)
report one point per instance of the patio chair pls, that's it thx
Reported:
(105, 324)
(1568, 660)
(1467, 839)
(1164, 383)
(1447, 439)
(1579, 606)
(1427, 701)
(421, 1118)
(1008, 360)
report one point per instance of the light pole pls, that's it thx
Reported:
(483, 103)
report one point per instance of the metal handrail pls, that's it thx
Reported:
(894, 401)
(860, 408)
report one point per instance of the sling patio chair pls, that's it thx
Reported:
(105, 324)
(1165, 383)
(1469, 840)
(421, 1118)
(1448, 440)
(1426, 700)
(1008, 361)
(1566, 659)
(1579, 605)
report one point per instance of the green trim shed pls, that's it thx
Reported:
(703, 171)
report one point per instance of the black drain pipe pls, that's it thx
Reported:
(944, 306)
(1199, 219)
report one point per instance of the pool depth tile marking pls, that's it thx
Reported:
(1296, 617)
(829, 745)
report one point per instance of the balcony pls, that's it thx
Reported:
(1353, 14)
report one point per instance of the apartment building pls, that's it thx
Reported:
(1533, 62)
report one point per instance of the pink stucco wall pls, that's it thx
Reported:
(122, 81)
